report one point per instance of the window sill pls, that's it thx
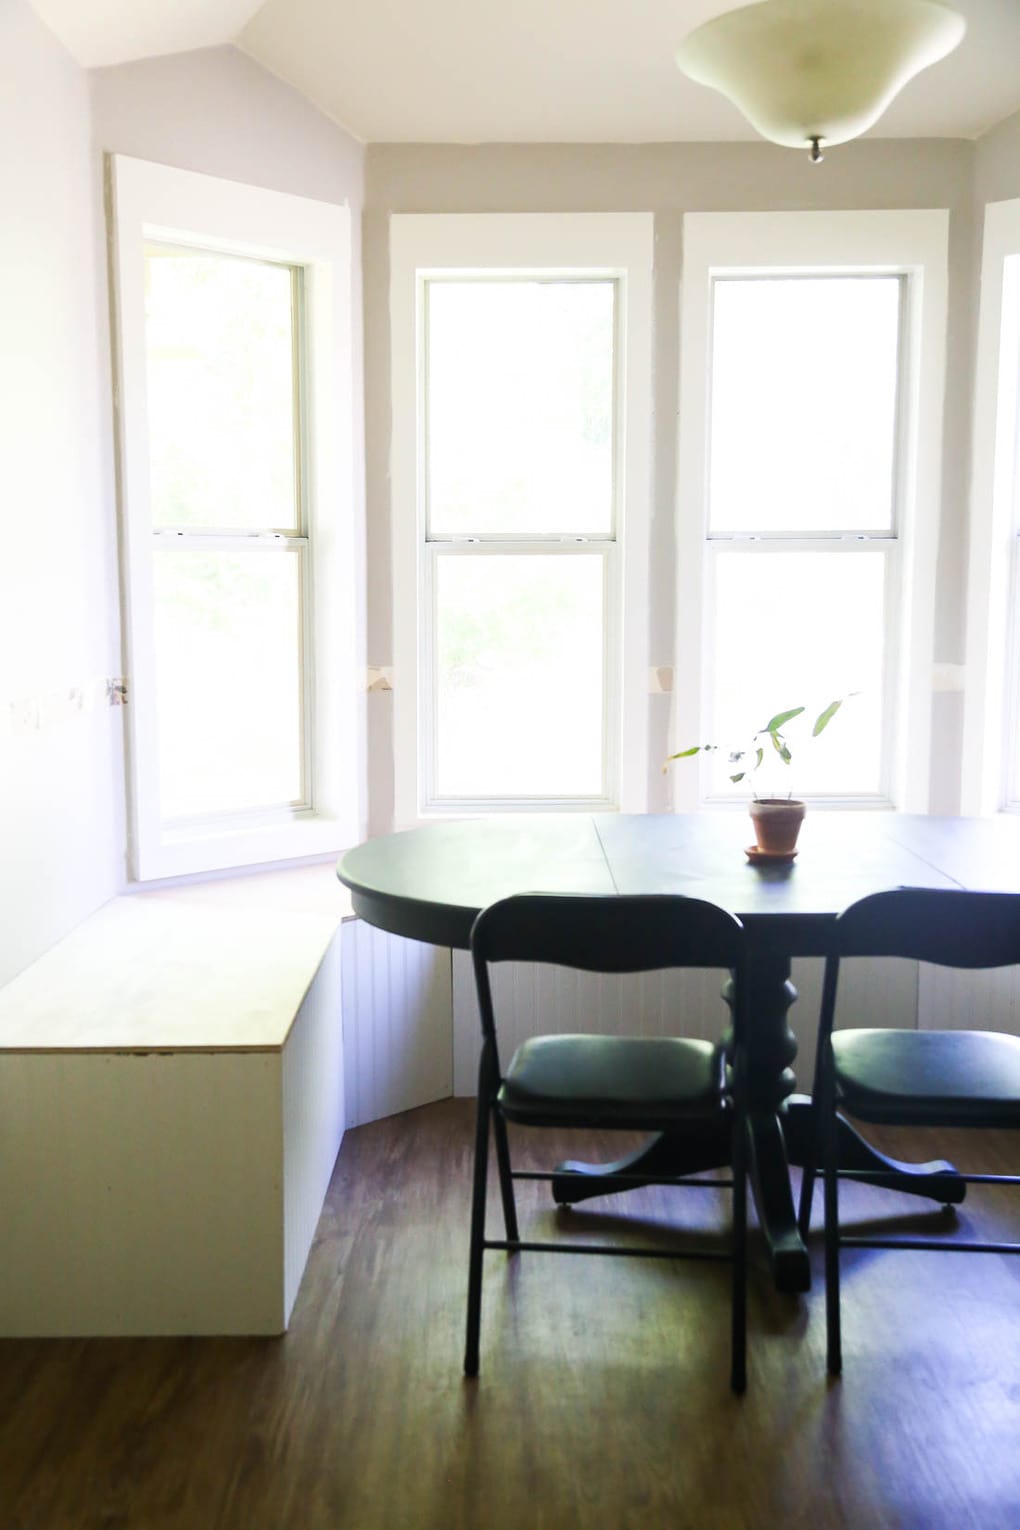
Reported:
(193, 853)
(308, 889)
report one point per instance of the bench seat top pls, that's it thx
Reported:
(189, 969)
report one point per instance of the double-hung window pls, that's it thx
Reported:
(237, 490)
(812, 358)
(521, 375)
(991, 766)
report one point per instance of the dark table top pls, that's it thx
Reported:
(429, 883)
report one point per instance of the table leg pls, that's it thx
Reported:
(936, 1180)
(772, 1048)
(691, 1149)
(703, 1145)
(781, 1133)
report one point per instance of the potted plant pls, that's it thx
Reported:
(776, 820)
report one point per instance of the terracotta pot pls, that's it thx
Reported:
(777, 822)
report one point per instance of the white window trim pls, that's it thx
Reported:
(987, 722)
(157, 202)
(914, 242)
(619, 245)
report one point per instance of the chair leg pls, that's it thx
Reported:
(738, 1352)
(816, 1148)
(506, 1184)
(477, 1249)
(833, 1335)
(807, 1189)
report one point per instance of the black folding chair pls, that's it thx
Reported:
(619, 1082)
(961, 1078)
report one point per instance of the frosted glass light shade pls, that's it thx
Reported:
(818, 69)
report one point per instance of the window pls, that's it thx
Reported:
(237, 498)
(991, 767)
(521, 367)
(811, 388)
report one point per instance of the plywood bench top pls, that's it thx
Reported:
(216, 967)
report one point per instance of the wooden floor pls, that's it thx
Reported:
(602, 1399)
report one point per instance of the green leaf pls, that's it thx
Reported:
(738, 777)
(685, 754)
(785, 755)
(777, 742)
(760, 755)
(781, 718)
(824, 718)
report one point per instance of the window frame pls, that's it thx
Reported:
(151, 203)
(991, 724)
(912, 244)
(581, 246)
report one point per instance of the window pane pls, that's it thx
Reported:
(228, 664)
(1009, 429)
(220, 366)
(519, 683)
(800, 629)
(1012, 699)
(520, 406)
(803, 404)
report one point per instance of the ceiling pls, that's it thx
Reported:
(537, 71)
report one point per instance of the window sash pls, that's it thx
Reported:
(1007, 491)
(826, 547)
(1010, 789)
(913, 246)
(828, 542)
(271, 541)
(271, 545)
(535, 247)
(990, 727)
(425, 408)
(159, 204)
(604, 800)
(721, 278)
(299, 388)
(552, 543)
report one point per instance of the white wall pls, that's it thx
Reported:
(217, 111)
(669, 180)
(62, 821)
(997, 163)
(61, 815)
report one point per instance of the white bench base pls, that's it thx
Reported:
(171, 1107)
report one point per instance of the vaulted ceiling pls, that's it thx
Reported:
(537, 71)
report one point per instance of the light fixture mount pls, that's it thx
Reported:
(807, 72)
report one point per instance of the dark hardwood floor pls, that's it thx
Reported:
(602, 1399)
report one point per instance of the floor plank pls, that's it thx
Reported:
(602, 1399)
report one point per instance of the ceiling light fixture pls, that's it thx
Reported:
(812, 72)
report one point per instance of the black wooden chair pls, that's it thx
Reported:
(622, 1082)
(961, 1078)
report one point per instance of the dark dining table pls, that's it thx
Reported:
(429, 884)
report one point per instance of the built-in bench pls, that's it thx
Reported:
(171, 1107)
(177, 1074)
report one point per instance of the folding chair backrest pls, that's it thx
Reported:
(608, 934)
(947, 926)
